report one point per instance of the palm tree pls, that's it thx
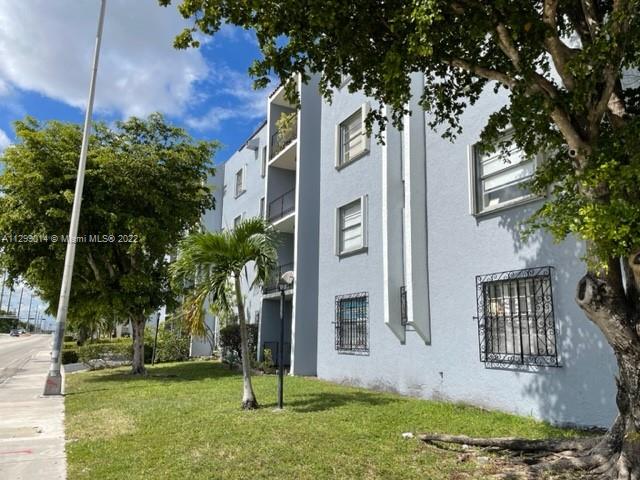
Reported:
(209, 260)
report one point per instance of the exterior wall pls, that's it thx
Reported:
(212, 221)
(247, 204)
(436, 355)
(305, 288)
(460, 246)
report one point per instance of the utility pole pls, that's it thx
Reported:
(29, 313)
(2, 291)
(53, 384)
(9, 302)
(20, 303)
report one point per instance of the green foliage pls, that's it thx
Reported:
(213, 258)
(69, 356)
(145, 186)
(570, 73)
(230, 339)
(113, 352)
(326, 431)
(171, 347)
(267, 365)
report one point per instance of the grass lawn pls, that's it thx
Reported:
(184, 422)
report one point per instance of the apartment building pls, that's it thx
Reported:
(410, 273)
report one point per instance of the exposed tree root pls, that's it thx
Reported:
(515, 444)
(591, 458)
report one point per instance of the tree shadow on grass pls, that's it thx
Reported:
(163, 374)
(322, 401)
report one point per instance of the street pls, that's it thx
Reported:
(31, 426)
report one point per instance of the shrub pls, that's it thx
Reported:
(69, 356)
(114, 352)
(171, 347)
(69, 338)
(230, 339)
(267, 365)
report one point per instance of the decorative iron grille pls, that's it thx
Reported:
(352, 323)
(403, 305)
(516, 324)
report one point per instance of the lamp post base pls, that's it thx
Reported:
(53, 385)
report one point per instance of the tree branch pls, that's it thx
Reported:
(590, 17)
(94, 267)
(601, 305)
(559, 52)
(483, 72)
(506, 45)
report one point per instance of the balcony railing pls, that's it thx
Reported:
(271, 285)
(281, 206)
(284, 136)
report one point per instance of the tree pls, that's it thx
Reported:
(145, 187)
(570, 67)
(208, 260)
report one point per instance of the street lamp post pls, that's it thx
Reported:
(20, 304)
(155, 340)
(53, 384)
(285, 282)
(2, 291)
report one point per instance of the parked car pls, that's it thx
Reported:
(14, 333)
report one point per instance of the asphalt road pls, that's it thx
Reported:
(15, 352)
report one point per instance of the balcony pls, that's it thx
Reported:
(281, 209)
(283, 153)
(272, 284)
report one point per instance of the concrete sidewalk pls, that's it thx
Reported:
(31, 426)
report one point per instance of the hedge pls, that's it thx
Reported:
(230, 339)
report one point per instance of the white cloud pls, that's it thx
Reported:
(5, 141)
(235, 99)
(47, 47)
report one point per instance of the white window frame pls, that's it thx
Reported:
(366, 139)
(475, 182)
(262, 207)
(243, 184)
(340, 252)
(237, 220)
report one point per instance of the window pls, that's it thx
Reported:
(262, 207)
(350, 227)
(351, 138)
(500, 179)
(352, 318)
(240, 189)
(516, 323)
(237, 220)
(263, 165)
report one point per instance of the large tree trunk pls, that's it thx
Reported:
(138, 323)
(613, 306)
(249, 401)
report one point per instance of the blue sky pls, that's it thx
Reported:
(46, 49)
(45, 58)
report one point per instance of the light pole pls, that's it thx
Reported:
(286, 280)
(53, 384)
(155, 339)
(20, 304)
(29, 313)
(2, 291)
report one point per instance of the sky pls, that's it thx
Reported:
(46, 50)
